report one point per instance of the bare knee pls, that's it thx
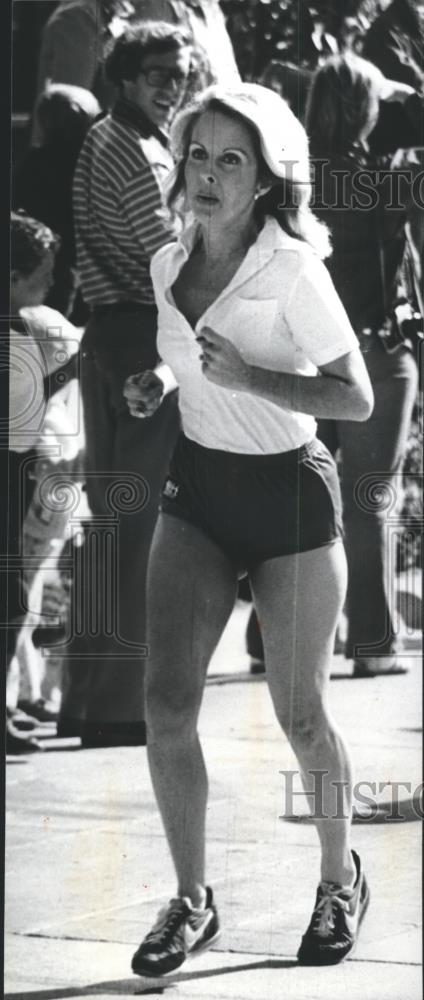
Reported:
(306, 726)
(171, 711)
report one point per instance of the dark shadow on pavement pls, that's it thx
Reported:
(135, 987)
(393, 811)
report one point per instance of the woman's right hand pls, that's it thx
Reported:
(143, 394)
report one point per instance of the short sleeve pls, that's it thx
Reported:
(316, 317)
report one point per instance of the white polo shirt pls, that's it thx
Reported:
(281, 311)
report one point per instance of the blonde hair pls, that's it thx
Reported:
(287, 200)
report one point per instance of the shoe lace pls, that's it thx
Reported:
(168, 920)
(326, 909)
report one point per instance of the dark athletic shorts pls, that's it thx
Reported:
(256, 507)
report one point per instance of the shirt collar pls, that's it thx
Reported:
(270, 238)
(129, 113)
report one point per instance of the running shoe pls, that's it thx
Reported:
(38, 709)
(336, 919)
(18, 742)
(21, 720)
(180, 930)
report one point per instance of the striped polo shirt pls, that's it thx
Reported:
(118, 206)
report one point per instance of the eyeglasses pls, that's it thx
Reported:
(162, 77)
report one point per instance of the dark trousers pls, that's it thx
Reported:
(372, 455)
(126, 464)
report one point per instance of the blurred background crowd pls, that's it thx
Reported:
(66, 668)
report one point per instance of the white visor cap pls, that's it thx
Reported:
(283, 139)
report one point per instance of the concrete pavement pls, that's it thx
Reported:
(88, 867)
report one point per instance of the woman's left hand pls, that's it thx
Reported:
(222, 363)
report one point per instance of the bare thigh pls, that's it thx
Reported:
(298, 600)
(191, 592)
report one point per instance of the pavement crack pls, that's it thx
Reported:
(271, 956)
(66, 937)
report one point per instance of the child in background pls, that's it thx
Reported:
(35, 676)
(43, 359)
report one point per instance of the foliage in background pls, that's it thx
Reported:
(283, 29)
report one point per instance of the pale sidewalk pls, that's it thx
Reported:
(88, 865)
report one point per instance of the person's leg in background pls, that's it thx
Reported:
(143, 447)
(372, 459)
(126, 461)
(27, 664)
(20, 489)
(254, 644)
(38, 666)
(80, 650)
(327, 433)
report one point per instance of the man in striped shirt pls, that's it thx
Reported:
(119, 224)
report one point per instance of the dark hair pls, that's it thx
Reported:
(125, 59)
(408, 15)
(287, 201)
(343, 92)
(293, 81)
(31, 241)
(65, 114)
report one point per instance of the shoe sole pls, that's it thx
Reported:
(192, 954)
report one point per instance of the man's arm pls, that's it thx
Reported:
(143, 208)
